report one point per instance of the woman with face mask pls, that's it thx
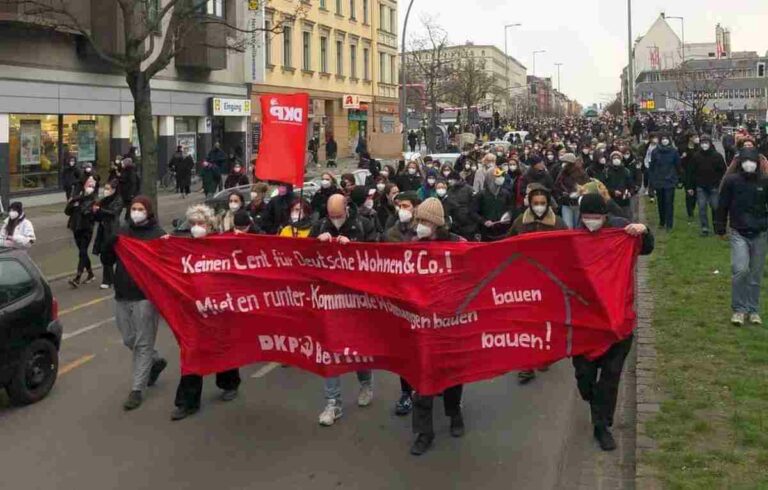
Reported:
(328, 187)
(496, 207)
(620, 184)
(664, 171)
(257, 207)
(211, 177)
(70, 176)
(237, 178)
(362, 203)
(236, 202)
(135, 316)
(385, 209)
(427, 189)
(411, 179)
(107, 215)
(301, 220)
(190, 388)
(81, 219)
(278, 212)
(566, 190)
(17, 231)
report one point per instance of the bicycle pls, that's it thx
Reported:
(168, 181)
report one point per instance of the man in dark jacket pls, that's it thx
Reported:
(218, 157)
(183, 166)
(707, 168)
(70, 176)
(664, 171)
(744, 203)
(687, 154)
(278, 212)
(462, 208)
(129, 183)
(342, 226)
(619, 181)
(135, 316)
(602, 391)
(402, 228)
(331, 151)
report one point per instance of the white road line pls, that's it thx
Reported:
(265, 370)
(83, 330)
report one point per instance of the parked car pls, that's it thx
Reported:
(30, 331)
(449, 158)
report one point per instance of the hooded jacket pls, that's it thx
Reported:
(707, 168)
(108, 217)
(462, 209)
(744, 202)
(530, 223)
(664, 168)
(23, 235)
(620, 184)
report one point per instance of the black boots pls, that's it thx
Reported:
(422, 444)
(604, 438)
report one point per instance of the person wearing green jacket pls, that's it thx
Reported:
(211, 177)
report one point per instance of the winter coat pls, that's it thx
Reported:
(128, 184)
(125, 287)
(707, 169)
(462, 209)
(257, 214)
(184, 169)
(236, 180)
(407, 182)
(687, 156)
(108, 218)
(278, 213)
(319, 203)
(356, 228)
(211, 177)
(400, 232)
(533, 176)
(566, 186)
(23, 235)
(301, 229)
(744, 202)
(331, 149)
(80, 212)
(665, 167)
(218, 158)
(620, 184)
(529, 223)
(70, 176)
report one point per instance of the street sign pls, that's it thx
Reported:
(253, 4)
(351, 102)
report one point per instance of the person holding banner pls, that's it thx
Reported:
(602, 392)
(301, 220)
(429, 221)
(403, 229)
(343, 227)
(227, 220)
(202, 222)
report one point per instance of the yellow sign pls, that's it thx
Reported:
(651, 104)
(253, 4)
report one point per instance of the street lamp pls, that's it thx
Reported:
(558, 65)
(506, 54)
(682, 22)
(404, 80)
(534, 59)
(631, 63)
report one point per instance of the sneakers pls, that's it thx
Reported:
(525, 377)
(105, 286)
(331, 414)
(180, 413)
(74, 283)
(738, 319)
(457, 426)
(704, 232)
(228, 395)
(404, 405)
(422, 444)
(604, 438)
(157, 367)
(365, 397)
(90, 278)
(755, 319)
(133, 401)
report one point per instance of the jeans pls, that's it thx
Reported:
(706, 198)
(666, 205)
(137, 322)
(747, 263)
(333, 385)
(571, 216)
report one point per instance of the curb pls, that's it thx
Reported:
(59, 277)
(648, 395)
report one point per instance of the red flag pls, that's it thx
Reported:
(283, 138)
(438, 314)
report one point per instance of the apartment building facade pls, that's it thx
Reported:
(344, 54)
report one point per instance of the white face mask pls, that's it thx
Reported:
(108, 193)
(254, 196)
(749, 166)
(446, 173)
(551, 158)
(13, 214)
(665, 142)
(380, 187)
(441, 192)
(593, 224)
(539, 210)
(138, 216)
(198, 231)
(513, 168)
(89, 191)
(431, 181)
(384, 174)
(617, 162)
(325, 183)
(412, 171)
(499, 181)
(705, 146)
(405, 216)
(423, 231)
(295, 216)
(368, 204)
(338, 222)
(234, 206)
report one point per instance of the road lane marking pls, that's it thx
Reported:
(83, 330)
(85, 305)
(76, 364)
(265, 370)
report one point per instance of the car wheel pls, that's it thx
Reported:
(35, 374)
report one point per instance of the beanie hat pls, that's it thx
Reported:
(242, 218)
(147, 203)
(358, 195)
(431, 211)
(568, 158)
(592, 204)
(408, 196)
(749, 154)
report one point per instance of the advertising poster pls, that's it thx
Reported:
(30, 142)
(188, 144)
(86, 141)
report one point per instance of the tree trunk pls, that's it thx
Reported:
(142, 111)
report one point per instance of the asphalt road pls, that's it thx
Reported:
(532, 437)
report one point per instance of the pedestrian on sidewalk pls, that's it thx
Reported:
(597, 377)
(129, 183)
(136, 317)
(665, 170)
(107, 215)
(211, 178)
(17, 231)
(70, 176)
(331, 150)
(707, 171)
(743, 202)
(81, 219)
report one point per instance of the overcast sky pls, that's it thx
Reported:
(588, 36)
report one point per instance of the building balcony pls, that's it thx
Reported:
(204, 47)
(388, 90)
(387, 39)
(37, 15)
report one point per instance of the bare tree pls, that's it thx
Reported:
(615, 108)
(154, 33)
(428, 63)
(470, 83)
(696, 89)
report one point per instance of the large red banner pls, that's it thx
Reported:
(438, 314)
(282, 150)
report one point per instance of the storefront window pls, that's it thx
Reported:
(34, 148)
(88, 138)
(185, 129)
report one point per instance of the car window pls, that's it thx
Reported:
(15, 282)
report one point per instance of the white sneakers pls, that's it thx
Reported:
(365, 397)
(331, 414)
(738, 319)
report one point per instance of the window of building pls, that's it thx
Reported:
(366, 64)
(352, 10)
(15, 282)
(339, 58)
(382, 67)
(392, 21)
(268, 42)
(323, 5)
(382, 14)
(323, 54)
(215, 8)
(393, 69)
(761, 70)
(338, 7)
(353, 61)
(306, 46)
(287, 46)
(365, 11)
